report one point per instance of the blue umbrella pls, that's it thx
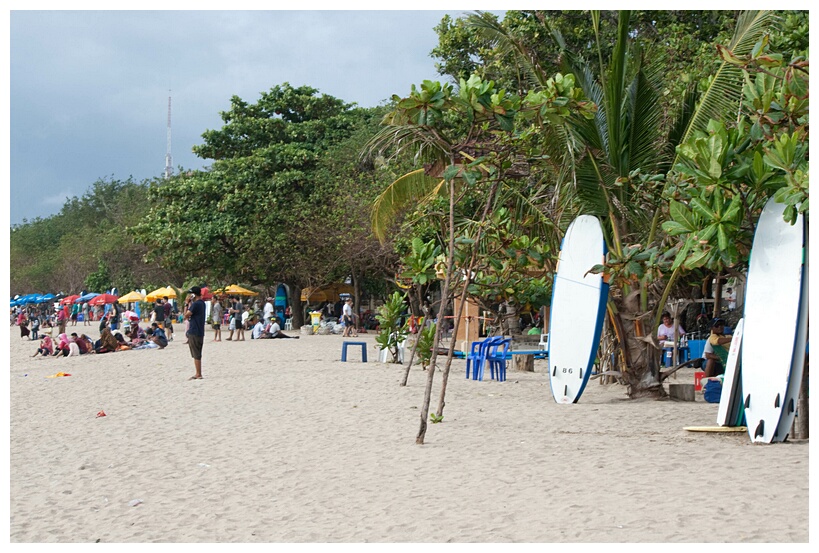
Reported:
(48, 297)
(86, 297)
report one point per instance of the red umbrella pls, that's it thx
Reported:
(102, 299)
(69, 299)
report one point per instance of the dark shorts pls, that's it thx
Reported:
(195, 345)
(217, 326)
(169, 324)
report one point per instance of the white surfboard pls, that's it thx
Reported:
(771, 313)
(798, 363)
(731, 398)
(577, 310)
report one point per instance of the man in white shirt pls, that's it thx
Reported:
(268, 310)
(275, 331)
(347, 318)
(258, 330)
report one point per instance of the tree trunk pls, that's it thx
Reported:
(524, 363)
(642, 371)
(450, 263)
(295, 305)
(717, 296)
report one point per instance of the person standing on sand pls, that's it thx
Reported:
(168, 326)
(195, 314)
(216, 316)
(61, 320)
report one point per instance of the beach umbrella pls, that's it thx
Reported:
(86, 297)
(69, 299)
(161, 293)
(238, 290)
(131, 297)
(131, 315)
(103, 299)
(48, 297)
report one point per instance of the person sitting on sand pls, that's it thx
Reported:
(107, 343)
(157, 336)
(122, 345)
(83, 343)
(716, 349)
(46, 347)
(275, 331)
(73, 348)
(257, 332)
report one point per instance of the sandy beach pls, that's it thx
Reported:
(283, 442)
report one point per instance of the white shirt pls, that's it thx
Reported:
(347, 310)
(274, 328)
(245, 315)
(268, 310)
(257, 331)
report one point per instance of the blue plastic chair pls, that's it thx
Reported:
(496, 357)
(474, 355)
(479, 358)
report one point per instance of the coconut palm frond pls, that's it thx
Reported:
(415, 140)
(645, 134)
(411, 189)
(723, 97)
(489, 29)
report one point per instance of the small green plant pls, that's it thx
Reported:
(389, 319)
(424, 348)
(435, 418)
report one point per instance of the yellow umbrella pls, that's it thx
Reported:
(161, 293)
(236, 289)
(131, 296)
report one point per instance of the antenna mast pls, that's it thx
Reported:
(168, 162)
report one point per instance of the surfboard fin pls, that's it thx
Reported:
(760, 429)
(566, 390)
(554, 371)
(776, 401)
(791, 407)
(747, 401)
(581, 374)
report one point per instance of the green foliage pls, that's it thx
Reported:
(419, 264)
(285, 170)
(426, 339)
(392, 331)
(59, 253)
(100, 279)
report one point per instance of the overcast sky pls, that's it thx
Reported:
(89, 89)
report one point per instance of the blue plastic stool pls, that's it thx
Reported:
(363, 350)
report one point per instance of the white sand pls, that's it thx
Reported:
(282, 442)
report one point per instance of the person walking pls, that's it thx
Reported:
(86, 314)
(347, 318)
(195, 315)
(216, 311)
(168, 327)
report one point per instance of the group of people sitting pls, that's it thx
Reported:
(716, 347)
(272, 329)
(135, 337)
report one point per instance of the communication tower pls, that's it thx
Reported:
(168, 161)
